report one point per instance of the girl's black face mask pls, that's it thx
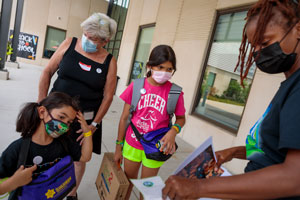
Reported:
(273, 60)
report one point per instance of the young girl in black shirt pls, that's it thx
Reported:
(47, 123)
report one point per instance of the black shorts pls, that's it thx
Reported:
(97, 136)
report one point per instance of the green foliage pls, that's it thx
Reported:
(9, 49)
(222, 100)
(236, 92)
(204, 84)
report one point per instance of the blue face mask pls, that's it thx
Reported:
(87, 45)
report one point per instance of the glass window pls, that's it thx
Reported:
(117, 44)
(221, 97)
(118, 12)
(54, 37)
(119, 35)
(230, 27)
(115, 53)
(142, 53)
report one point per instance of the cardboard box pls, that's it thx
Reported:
(111, 183)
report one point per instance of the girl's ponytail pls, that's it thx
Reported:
(28, 120)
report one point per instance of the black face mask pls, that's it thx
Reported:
(273, 60)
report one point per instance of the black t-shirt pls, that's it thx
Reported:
(278, 130)
(50, 154)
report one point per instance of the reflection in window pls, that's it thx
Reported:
(54, 37)
(142, 53)
(222, 98)
(118, 13)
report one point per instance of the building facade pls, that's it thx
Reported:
(45, 24)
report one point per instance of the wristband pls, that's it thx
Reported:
(87, 134)
(178, 126)
(120, 142)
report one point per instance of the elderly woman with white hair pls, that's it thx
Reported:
(88, 72)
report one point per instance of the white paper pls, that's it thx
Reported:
(151, 188)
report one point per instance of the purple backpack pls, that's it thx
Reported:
(54, 183)
(151, 143)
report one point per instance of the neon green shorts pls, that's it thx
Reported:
(137, 155)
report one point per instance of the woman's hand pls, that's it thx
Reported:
(168, 141)
(224, 156)
(181, 188)
(227, 155)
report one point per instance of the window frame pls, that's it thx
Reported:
(198, 95)
(141, 27)
(45, 40)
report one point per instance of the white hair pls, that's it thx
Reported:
(100, 25)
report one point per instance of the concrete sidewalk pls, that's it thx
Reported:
(23, 87)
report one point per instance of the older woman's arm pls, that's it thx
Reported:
(51, 68)
(109, 91)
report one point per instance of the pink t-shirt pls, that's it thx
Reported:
(151, 112)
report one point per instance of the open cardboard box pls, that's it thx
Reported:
(111, 183)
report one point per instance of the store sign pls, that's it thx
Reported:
(27, 45)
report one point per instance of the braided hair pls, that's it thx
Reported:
(264, 11)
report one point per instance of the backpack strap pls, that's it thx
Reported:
(25, 144)
(138, 84)
(173, 97)
(136, 132)
(23, 151)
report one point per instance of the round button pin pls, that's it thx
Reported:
(98, 70)
(143, 91)
(37, 160)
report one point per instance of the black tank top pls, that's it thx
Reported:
(82, 77)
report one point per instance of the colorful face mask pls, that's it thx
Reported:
(161, 76)
(87, 45)
(55, 128)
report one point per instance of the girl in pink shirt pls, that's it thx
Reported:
(151, 114)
